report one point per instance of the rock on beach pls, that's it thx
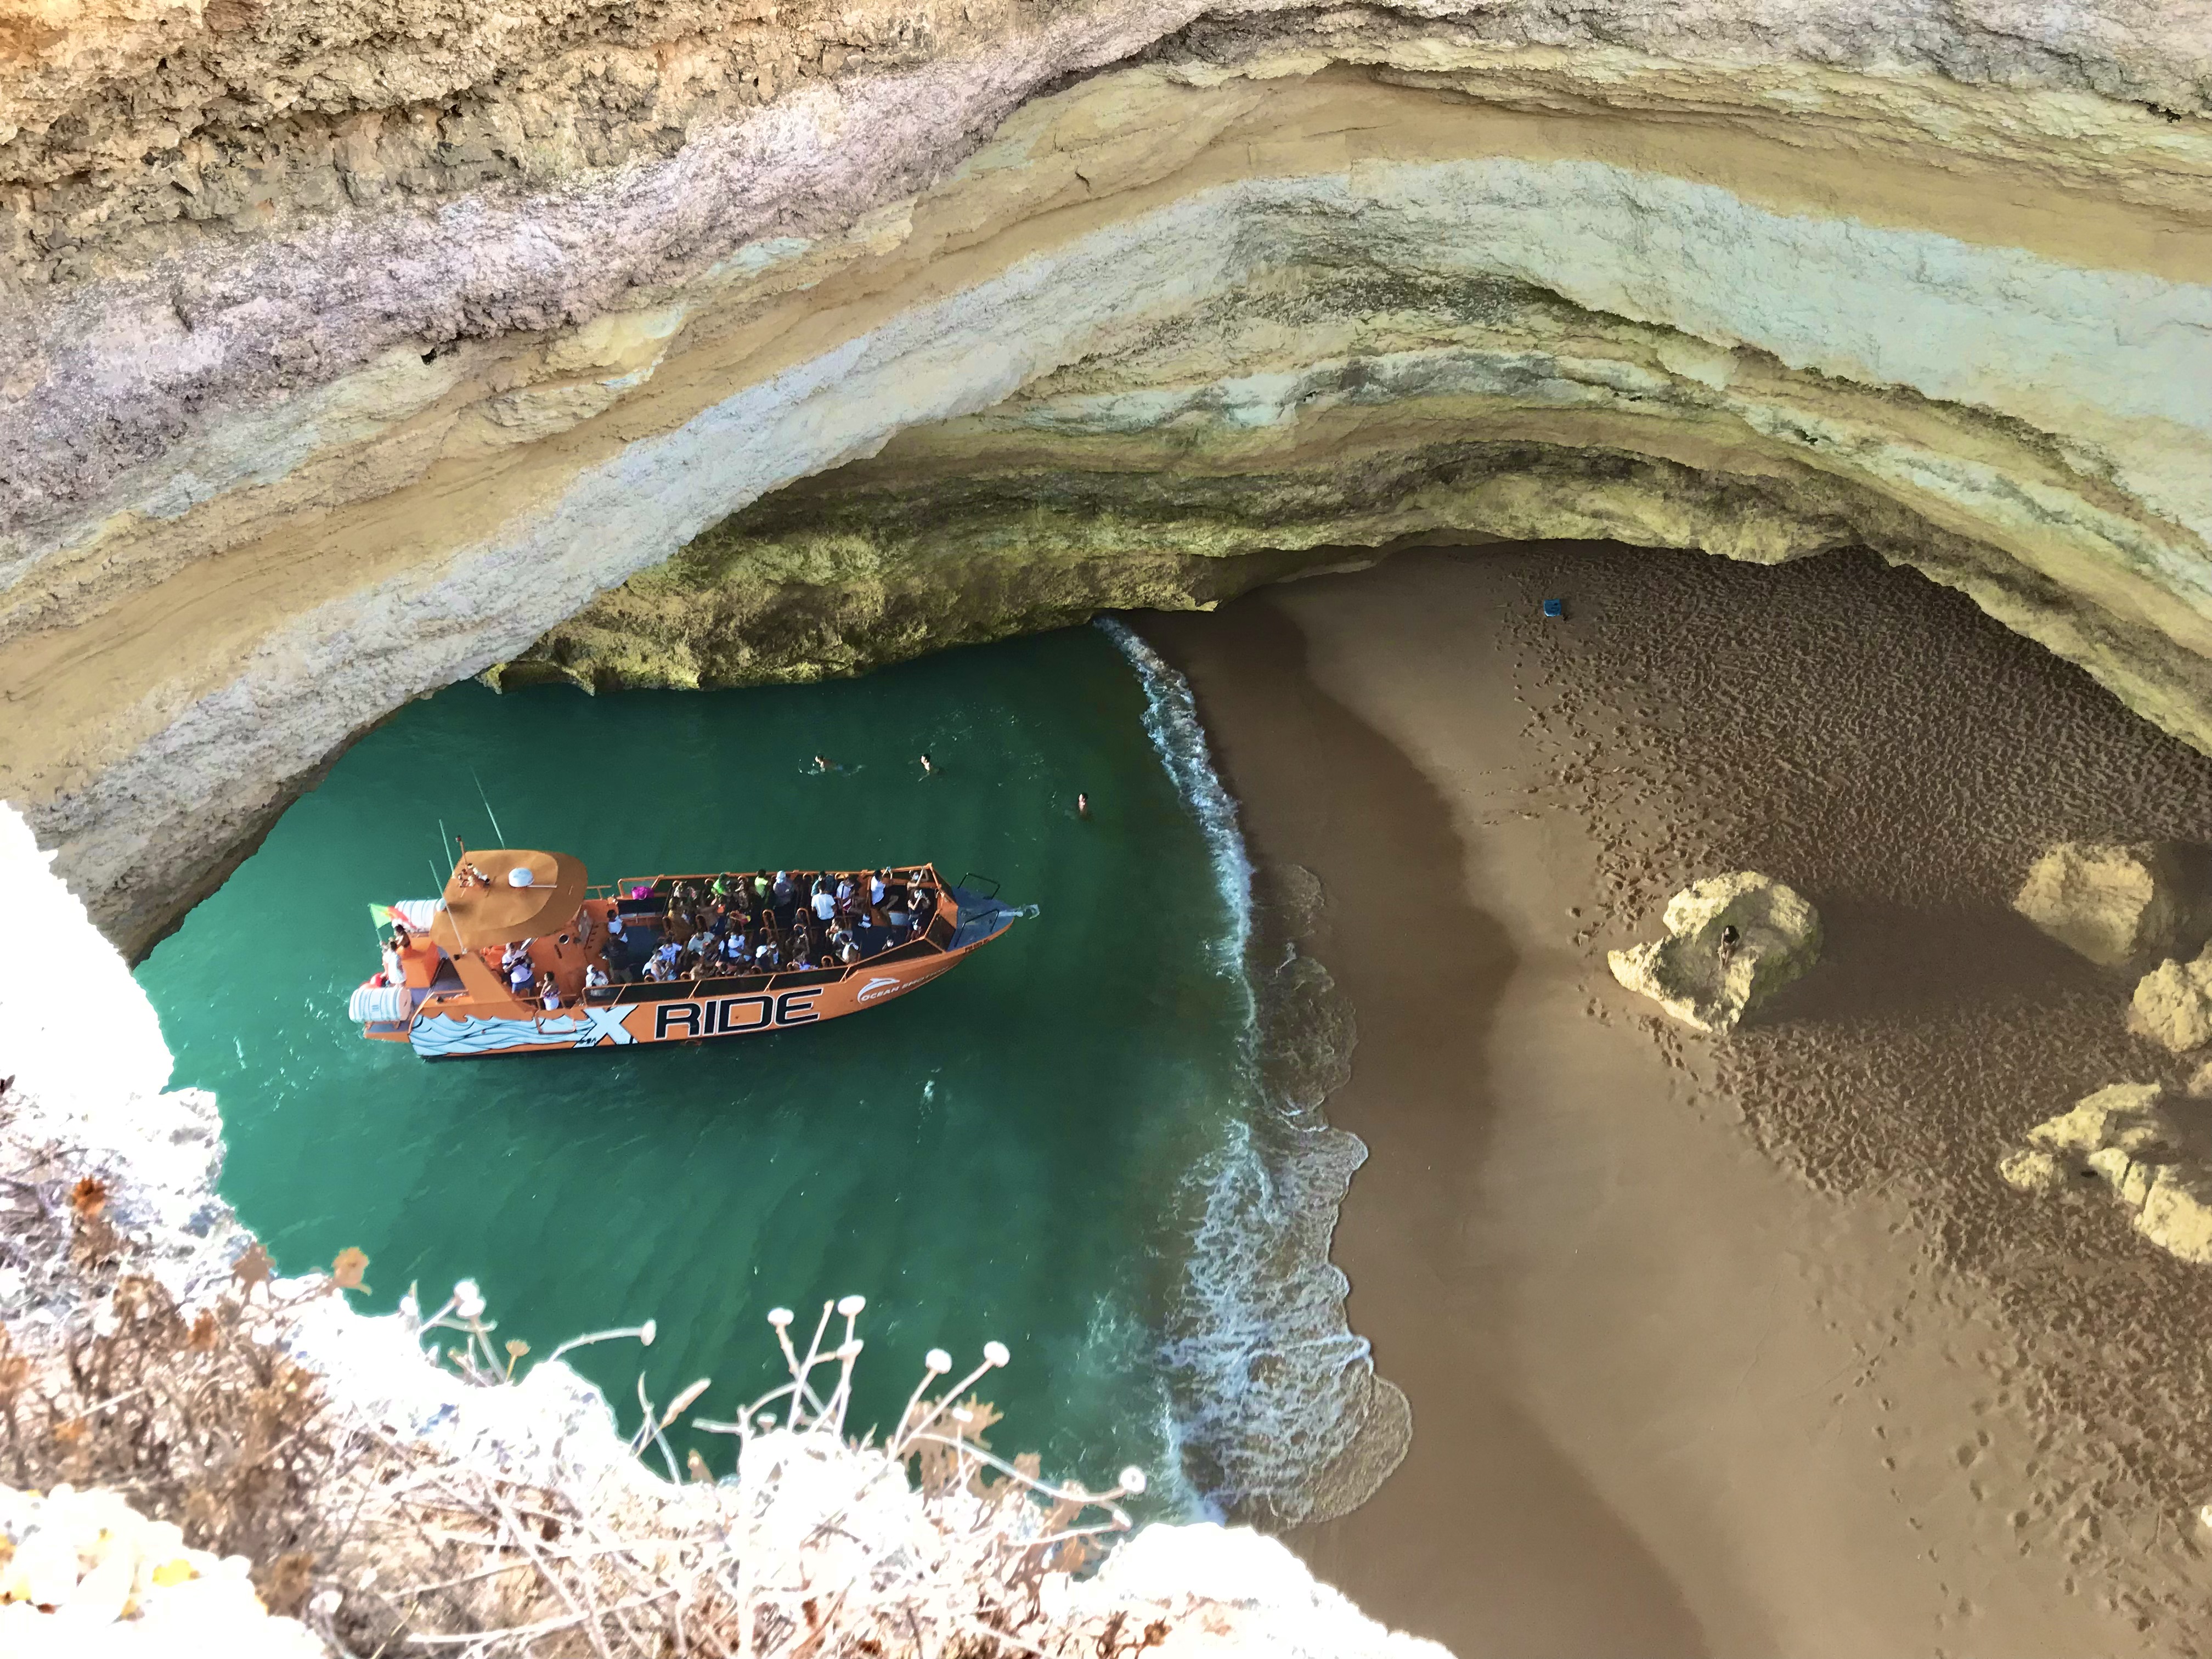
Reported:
(2152, 1152)
(2173, 1005)
(2120, 904)
(1778, 938)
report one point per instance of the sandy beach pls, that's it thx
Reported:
(1740, 1348)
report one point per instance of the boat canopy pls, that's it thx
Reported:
(530, 894)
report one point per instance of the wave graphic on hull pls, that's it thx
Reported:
(440, 1038)
(1278, 1414)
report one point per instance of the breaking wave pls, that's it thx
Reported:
(1171, 722)
(1276, 1409)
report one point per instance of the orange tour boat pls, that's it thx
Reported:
(521, 954)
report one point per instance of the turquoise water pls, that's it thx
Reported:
(1025, 1150)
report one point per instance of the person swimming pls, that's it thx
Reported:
(1082, 804)
(927, 768)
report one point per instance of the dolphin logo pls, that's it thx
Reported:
(879, 987)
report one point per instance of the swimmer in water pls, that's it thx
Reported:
(820, 764)
(1082, 804)
(927, 768)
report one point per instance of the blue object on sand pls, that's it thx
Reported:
(1555, 607)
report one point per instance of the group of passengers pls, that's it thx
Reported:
(788, 922)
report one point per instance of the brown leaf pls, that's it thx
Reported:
(348, 1269)
(285, 1581)
(253, 1267)
(71, 1432)
(89, 1197)
(205, 1334)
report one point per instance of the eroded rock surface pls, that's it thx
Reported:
(2120, 904)
(1732, 942)
(347, 351)
(2173, 1005)
(2152, 1151)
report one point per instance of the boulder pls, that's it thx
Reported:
(2151, 1152)
(2173, 1005)
(2121, 904)
(1777, 938)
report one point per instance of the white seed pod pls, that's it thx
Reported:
(849, 1305)
(937, 1362)
(850, 1350)
(647, 1331)
(469, 1299)
(779, 1317)
(995, 1353)
(1132, 1480)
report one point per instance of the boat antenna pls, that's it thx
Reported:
(489, 813)
(456, 858)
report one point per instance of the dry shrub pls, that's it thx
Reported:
(814, 1546)
(200, 1420)
(811, 1547)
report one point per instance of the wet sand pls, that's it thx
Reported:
(1730, 1349)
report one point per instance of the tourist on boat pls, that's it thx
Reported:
(520, 978)
(598, 987)
(666, 954)
(551, 999)
(656, 969)
(734, 951)
(767, 958)
(825, 901)
(878, 884)
(395, 970)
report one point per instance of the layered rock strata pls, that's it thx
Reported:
(350, 353)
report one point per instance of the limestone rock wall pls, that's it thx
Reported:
(1027, 309)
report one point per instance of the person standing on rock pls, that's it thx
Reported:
(1728, 938)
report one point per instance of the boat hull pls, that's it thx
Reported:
(676, 1013)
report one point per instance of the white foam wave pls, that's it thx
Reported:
(1269, 1386)
(1172, 724)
